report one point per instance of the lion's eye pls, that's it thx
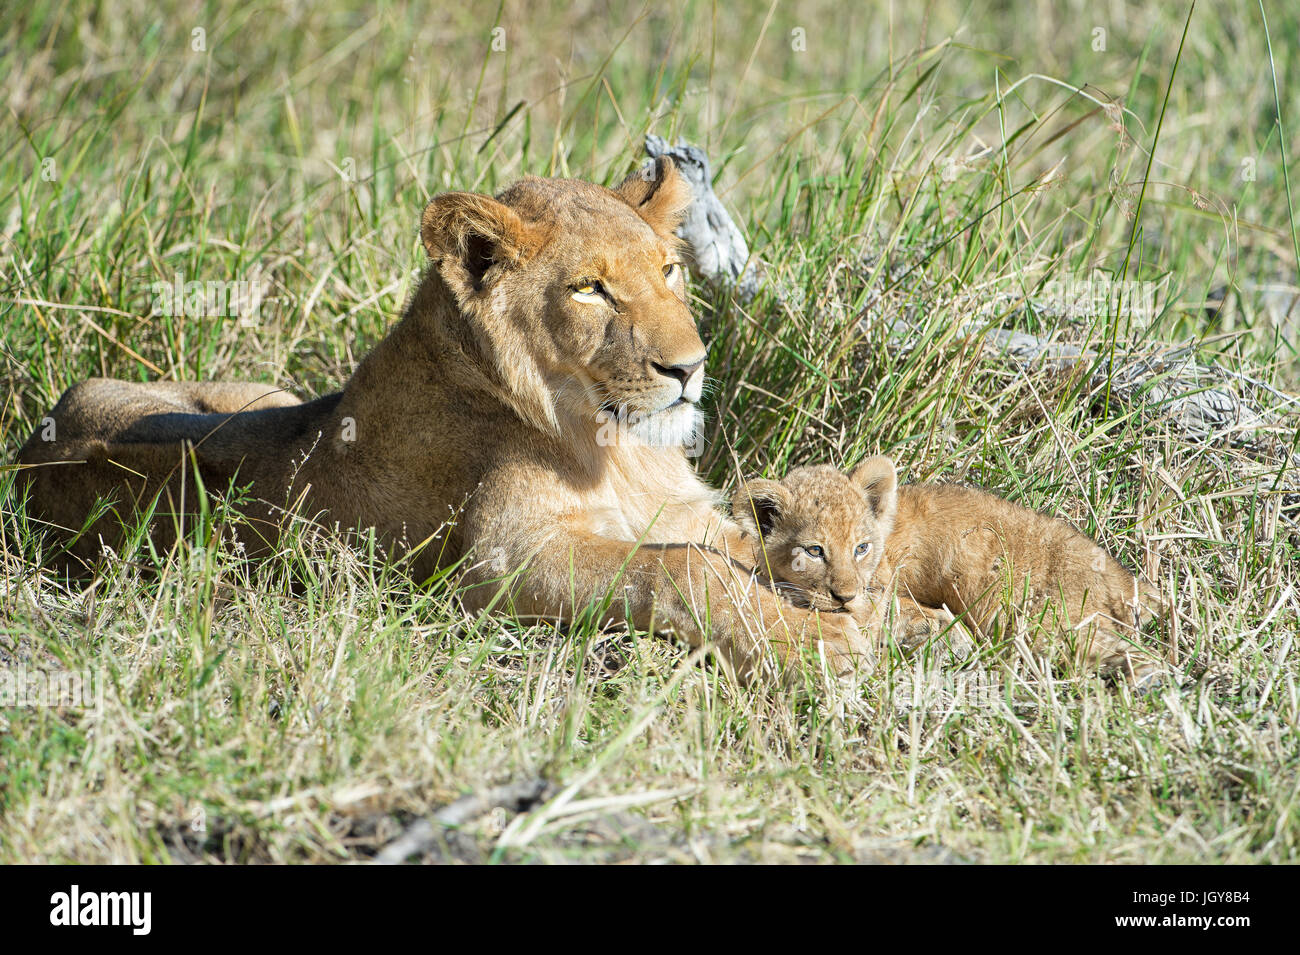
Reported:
(671, 270)
(862, 549)
(814, 550)
(589, 290)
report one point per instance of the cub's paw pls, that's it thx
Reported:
(842, 644)
(919, 626)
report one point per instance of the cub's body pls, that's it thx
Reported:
(945, 550)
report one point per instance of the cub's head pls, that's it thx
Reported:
(820, 530)
(576, 299)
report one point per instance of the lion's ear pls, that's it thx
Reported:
(876, 477)
(477, 231)
(659, 193)
(758, 504)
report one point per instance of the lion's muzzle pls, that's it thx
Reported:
(689, 375)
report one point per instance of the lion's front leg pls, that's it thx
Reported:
(694, 592)
(913, 625)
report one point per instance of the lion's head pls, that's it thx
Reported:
(577, 299)
(821, 530)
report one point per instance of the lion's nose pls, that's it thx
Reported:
(690, 375)
(842, 600)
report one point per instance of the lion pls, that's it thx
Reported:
(525, 421)
(945, 550)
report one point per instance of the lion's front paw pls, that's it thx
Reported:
(844, 646)
(828, 642)
(922, 625)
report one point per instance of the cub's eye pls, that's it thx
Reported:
(862, 550)
(671, 271)
(814, 550)
(589, 290)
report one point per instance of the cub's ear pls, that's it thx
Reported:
(659, 193)
(474, 232)
(876, 477)
(758, 504)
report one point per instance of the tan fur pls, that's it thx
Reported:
(508, 422)
(944, 548)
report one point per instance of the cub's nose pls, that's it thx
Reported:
(690, 375)
(841, 599)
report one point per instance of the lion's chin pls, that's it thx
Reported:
(678, 425)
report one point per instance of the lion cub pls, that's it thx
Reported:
(944, 548)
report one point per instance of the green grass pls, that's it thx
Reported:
(916, 164)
